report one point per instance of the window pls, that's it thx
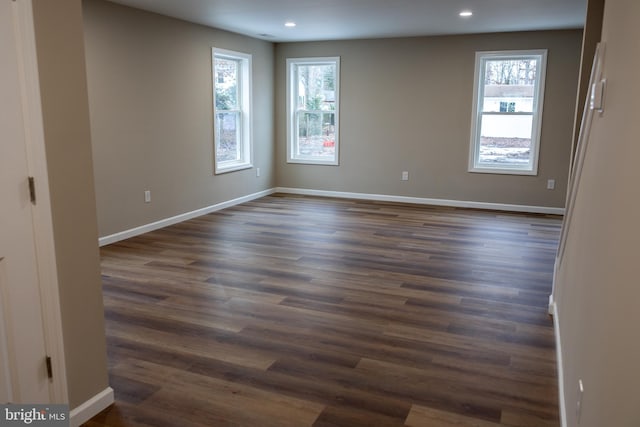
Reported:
(232, 110)
(312, 110)
(507, 112)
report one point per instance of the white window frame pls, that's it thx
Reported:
(245, 110)
(478, 99)
(292, 95)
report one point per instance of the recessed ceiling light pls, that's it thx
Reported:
(466, 13)
(290, 24)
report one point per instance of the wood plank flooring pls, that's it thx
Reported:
(301, 311)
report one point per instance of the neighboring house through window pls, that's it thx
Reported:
(313, 110)
(507, 112)
(232, 110)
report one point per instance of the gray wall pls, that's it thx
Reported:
(406, 105)
(597, 287)
(150, 93)
(60, 52)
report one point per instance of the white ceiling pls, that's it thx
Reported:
(358, 19)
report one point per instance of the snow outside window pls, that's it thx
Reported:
(507, 112)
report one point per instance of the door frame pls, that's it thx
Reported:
(42, 216)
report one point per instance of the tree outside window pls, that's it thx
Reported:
(313, 110)
(232, 118)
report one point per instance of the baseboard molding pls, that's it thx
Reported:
(424, 201)
(556, 330)
(99, 402)
(112, 238)
(83, 413)
(126, 234)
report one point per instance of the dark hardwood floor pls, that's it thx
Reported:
(302, 311)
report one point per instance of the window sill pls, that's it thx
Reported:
(503, 171)
(231, 168)
(314, 162)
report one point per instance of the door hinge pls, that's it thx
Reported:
(32, 189)
(49, 367)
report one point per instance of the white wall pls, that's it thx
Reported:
(598, 289)
(507, 126)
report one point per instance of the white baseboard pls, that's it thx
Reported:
(105, 398)
(112, 238)
(424, 201)
(556, 330)
(92, 407)
(116, 237)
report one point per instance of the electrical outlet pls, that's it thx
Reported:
(257, 172)
(579, 400)
(551, 184)
(405, 175)
(147, 196)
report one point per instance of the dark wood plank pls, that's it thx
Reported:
(303, 311)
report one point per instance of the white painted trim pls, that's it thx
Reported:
(292, 92)
(552, 295)
(556, 329)
(537, 114)
(579, 156)
(424, 201)
(116, 237)
(92, 407)
(42, 216)
(246, 108)
(6, 386)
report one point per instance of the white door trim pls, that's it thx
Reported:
(42, 216)
(6, 386)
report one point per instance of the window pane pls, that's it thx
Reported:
(316, 134)
(509, 91)
(313, 110)
(509, 85)
(316, 87)
(228, 137)
(505, 140)
(226, 83)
